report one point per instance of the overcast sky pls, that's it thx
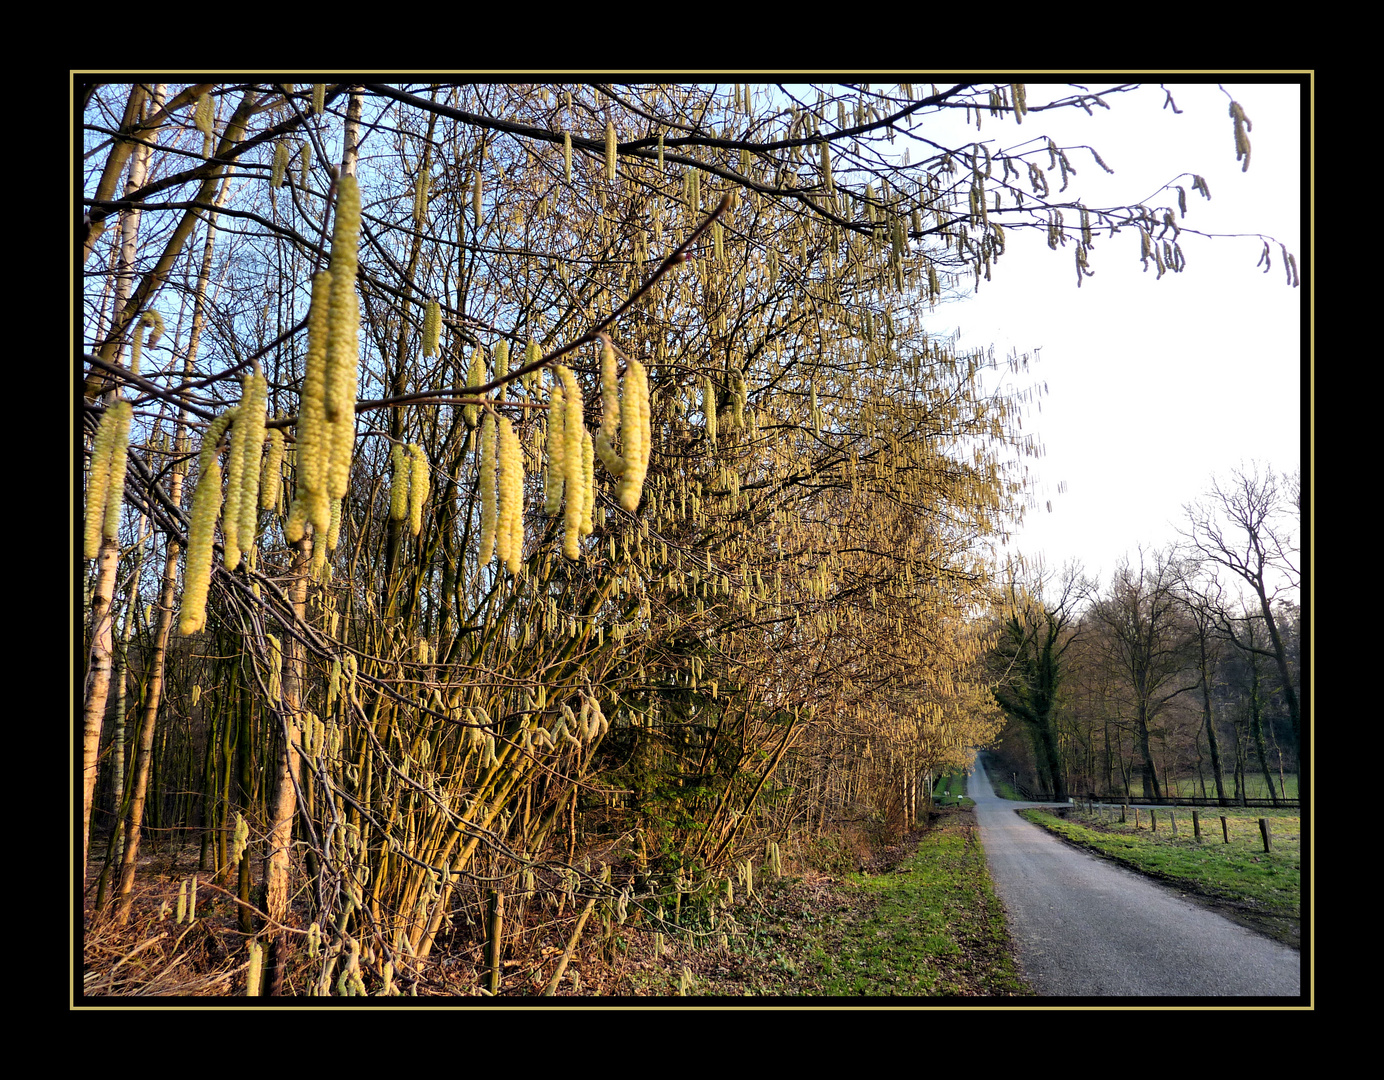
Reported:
(1154, 385)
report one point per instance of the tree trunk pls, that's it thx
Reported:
(98, 682)
(1152, 789)
(284, 802)
(1280, 655)
(167, 606)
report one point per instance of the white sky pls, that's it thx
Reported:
(1153, 385)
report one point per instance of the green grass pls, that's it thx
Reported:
(926, 924)
(934, 929)
(1261, 889)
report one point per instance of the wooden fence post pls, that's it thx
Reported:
(1153, 819)
(1172, 821)
(1225, 828)
(1264, 831)
(1196, 825)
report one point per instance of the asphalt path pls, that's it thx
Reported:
(1087, 928)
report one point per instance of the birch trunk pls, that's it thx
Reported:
(101, 656)
(167, 601)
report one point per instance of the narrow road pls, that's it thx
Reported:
(1084, 927)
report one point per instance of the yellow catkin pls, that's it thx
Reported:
(206, 504)
(98, 483)
(153, 320)
(270, 485)
(343, 327)
(476, 198)
(256, 404)
(636, 435)
(280, 165)
(417, 487)
(588, 484)
(567, 155)
(501, 360)
(204, 115)
(319, 98)
(573, 430)
(432, 328)
(235, 460)
(420, 200)
(709, 408)
(343, 318)
(489, 502)
(610, 414)
(556, 443)
(398, 489)
(242, 475)
(610, 150)
(510, 491)
(475, 377)
(310, 495)
(334, 525)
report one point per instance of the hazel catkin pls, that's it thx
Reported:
(398, 489)
(343, 320)
(417, 487)
(270, 487)
(432, 328)
(98, 483)
(489, 502)
(310, 502)
(510, 492)
(206, 503)
(555, 475)
(475, 376)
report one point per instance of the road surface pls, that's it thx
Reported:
(1084, 927)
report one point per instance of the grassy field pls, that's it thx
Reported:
(1189, 787)
(1263, 890)
(950, 790)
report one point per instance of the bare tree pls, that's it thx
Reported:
(1249, 524)
(1203, 606)
(1149, 640)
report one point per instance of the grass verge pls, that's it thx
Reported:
(1239, 879)
(923, 922)
(935, 928)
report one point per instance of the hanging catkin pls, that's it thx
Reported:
(554, 475)
(489, 501)
(343, 324)
(474, 377)
(310, 501)
(206, 504)
(418, 487)
(432, 328)
(576, 451)
(243, 469)
(510, 490)
(399, 487)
